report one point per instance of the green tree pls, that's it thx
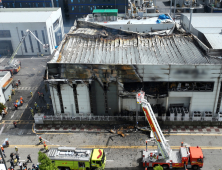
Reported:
(45, 163)
(2, 106)
(158, 167)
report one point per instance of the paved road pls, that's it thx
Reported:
(31, 77)
(122, 153)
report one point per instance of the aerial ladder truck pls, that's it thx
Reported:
(185, 157)
(14, 65)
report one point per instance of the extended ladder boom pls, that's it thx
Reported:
(162, 144)
(45, 46)
(16, 50)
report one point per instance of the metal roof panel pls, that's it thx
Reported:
(82, 48)
(215, 40)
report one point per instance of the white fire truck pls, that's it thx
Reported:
(185, 157)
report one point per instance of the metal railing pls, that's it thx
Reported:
(94, 118)
(115, 118)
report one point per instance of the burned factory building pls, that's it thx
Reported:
(98, 71)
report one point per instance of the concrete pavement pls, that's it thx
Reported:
(122, 153)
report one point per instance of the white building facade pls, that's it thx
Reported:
(5, 86)
(45, 23)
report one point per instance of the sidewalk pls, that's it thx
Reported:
(106, 129)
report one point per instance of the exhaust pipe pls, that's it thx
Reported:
(191, 12)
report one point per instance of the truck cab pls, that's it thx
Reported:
(196, 157)
(98, 159)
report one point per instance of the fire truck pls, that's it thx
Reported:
(185, 157)
(14, 65)
(70, 158)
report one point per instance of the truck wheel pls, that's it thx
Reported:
(165, 166)
(195, 167)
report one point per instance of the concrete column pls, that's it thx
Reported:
(167, 105)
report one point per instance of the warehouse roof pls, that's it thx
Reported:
(86, 47)
(23, 16)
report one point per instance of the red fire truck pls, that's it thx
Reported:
(185, 157)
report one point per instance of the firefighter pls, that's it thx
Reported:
(3, 151)
(15, 162)
(35, 104)
(16, 106)
(39, 110)
(40, 140)
(13, 91)
(39, 94)
(17, 101)
(21, 98)
(42, 95)
(16, 149)
(47, 106)
(46, 148)
(3, 113)
(15, 124)
(50, 97)
(21, 101)
(31, 93)
(32, 112)
(9, 98)
(19, 82)
(16, 84)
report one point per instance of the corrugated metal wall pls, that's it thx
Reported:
(83, 98)
(55, 99)
(129, 104)
(112, 98)
(68, 99)
(98, 99)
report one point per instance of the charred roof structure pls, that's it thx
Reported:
(97, 70)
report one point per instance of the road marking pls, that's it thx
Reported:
(13, 114)
(113, 147)
(194, 134)
(2, 59)
(2, 129)
(27, 88)
(109, 160)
